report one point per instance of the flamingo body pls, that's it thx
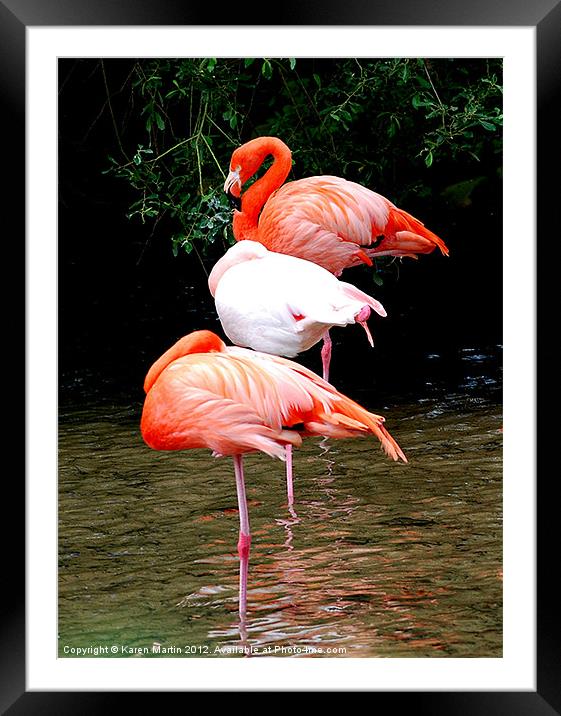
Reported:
(280, 304)
(203, 394)
(331, 221)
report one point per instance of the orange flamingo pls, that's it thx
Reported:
(325, 219)
(202, 394)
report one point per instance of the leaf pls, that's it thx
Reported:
(159, 121)
(422, 81)
(292, 61)
(487, 125)
(428, 159)
(248, 61)
(267, 69)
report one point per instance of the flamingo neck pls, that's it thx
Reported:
(245, 224)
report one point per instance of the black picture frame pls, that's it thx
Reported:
(545, 17)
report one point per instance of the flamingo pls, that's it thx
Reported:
(328, 220)
(280, 304)
(203, 394)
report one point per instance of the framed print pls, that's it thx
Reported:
(125, 217)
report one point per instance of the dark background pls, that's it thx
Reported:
(546, 16)
(124, 298)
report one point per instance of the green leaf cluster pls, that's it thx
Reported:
(386, 123)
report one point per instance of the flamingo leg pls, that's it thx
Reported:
(289, 485)
(244, 569)
(244, 541)
(326, 354)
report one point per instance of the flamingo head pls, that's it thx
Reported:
(246, 161)
(233, 188)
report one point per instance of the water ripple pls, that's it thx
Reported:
(377, 559)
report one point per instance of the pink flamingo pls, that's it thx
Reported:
(325, 219)
(281, 304)
(202, 394)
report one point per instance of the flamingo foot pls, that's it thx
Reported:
(363, 314)
(361, 317)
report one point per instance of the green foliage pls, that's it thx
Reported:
(386, 123)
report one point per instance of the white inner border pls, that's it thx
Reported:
(516, 669)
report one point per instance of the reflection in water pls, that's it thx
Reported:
(373, 558)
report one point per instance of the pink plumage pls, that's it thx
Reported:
(231, 400)
(202, 394)
(325, 219)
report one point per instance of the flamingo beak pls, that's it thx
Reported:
(233, 188)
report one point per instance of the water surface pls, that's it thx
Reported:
(378, 559)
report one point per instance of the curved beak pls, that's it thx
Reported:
(233, 189)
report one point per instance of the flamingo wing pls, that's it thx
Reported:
(330, 413)
(335, 222)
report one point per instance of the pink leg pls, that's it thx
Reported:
(244, 541)
(242, 600)
(326, 354)
(289, 486)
